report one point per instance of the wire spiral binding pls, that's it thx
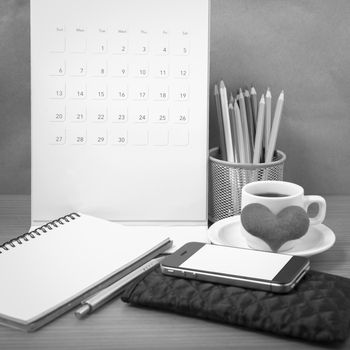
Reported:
(37, 232)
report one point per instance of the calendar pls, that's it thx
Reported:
(119, 109)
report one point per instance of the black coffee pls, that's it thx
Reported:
(271, 194)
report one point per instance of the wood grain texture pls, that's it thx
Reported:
(119, 326)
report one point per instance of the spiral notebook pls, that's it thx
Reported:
(48, 271)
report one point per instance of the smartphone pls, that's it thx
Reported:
(240, 267)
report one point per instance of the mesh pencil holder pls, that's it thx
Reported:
(226, 180)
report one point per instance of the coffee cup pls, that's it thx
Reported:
(277, 196)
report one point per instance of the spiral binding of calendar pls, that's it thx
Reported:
(37, 232)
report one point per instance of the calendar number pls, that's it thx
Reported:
(180, 115)
(59, 116)
(160, 69)
(183, 73)
(77, 90)
(119, 137)
(56, 136)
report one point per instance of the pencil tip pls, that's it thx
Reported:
(253, 91)
(231, 98)
(216, 90)
(281, 96)
(222, 84)
(268, 93)
(262, 100)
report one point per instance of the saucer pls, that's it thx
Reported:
(318, 238)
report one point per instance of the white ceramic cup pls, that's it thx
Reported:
(294, 195)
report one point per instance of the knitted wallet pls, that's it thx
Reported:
(318, 309)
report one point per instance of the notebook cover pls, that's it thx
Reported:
(50, 270)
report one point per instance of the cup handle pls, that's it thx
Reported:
(318, 219)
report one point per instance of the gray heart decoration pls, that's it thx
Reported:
(289, 224)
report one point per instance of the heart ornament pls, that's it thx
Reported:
(289, 224)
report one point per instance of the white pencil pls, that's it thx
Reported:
(239, 130)
(254, 102)
(267, 121)
(275, 127)
(259, 131)
(244, 127)
(226, 122)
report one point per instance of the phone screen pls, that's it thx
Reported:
(235, 261)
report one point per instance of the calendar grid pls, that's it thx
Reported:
(111, 87)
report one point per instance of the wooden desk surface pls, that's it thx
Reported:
(119, 326)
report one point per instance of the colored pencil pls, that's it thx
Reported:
(220, 123)
(254, 102)
(226, 122)
(267, 121)
(250, 119)
(240, 137)
(275, 127)
(244, 127)
(259, 131)
(233, 132)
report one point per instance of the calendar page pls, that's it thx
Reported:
(120, 109)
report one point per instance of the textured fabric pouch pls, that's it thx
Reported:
(318, 309)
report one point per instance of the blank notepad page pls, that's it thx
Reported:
(45, 272)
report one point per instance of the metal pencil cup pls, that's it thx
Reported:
(227, 179)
